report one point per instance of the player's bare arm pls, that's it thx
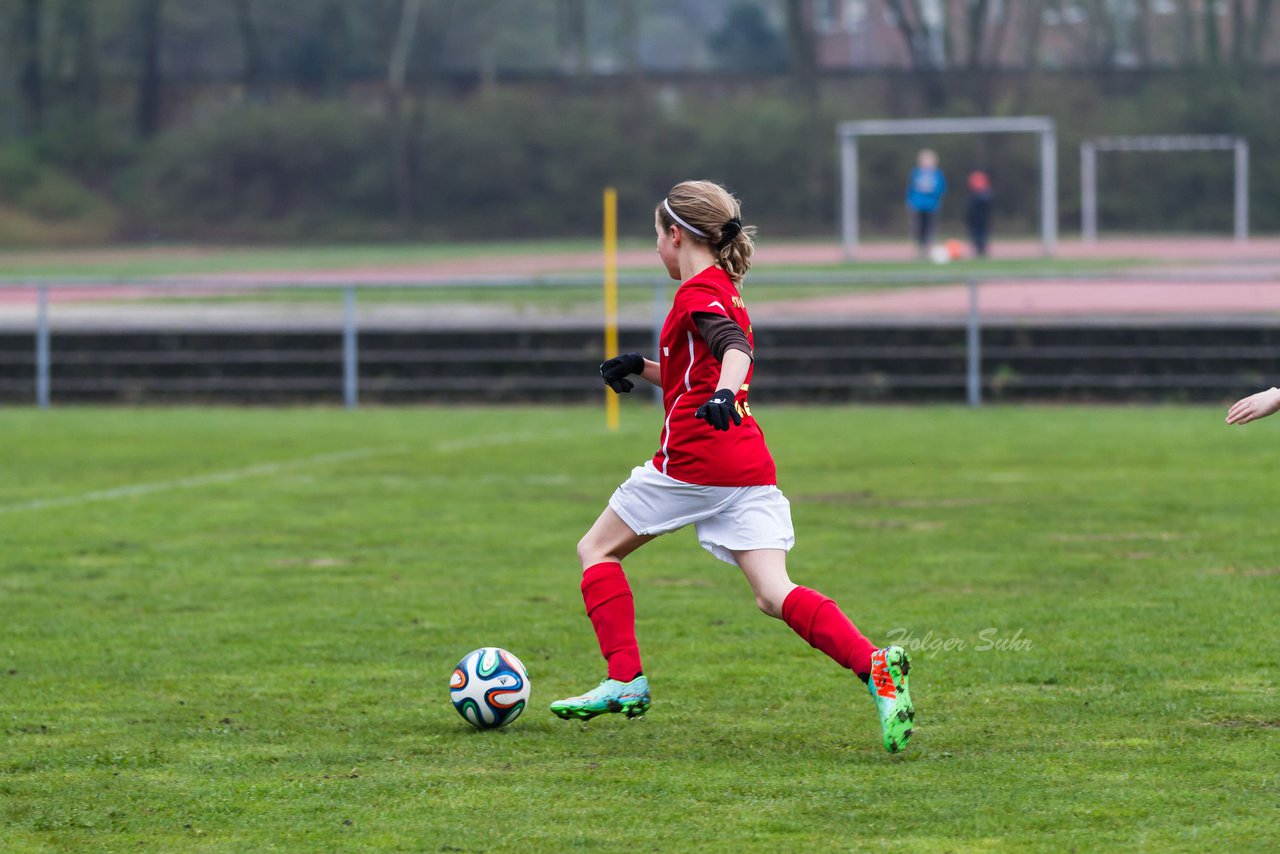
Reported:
(652, 372)
(1254, 406)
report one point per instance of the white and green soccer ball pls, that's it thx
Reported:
(489, 687)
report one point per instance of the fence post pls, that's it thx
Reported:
(350, 354)
(849, 196)
(42, 346)
(1088, 192)
(973, 348)
(1242, 190)
(1049, 192)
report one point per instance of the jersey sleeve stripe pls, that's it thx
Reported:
(666, 438)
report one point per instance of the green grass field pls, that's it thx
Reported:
(232, 630)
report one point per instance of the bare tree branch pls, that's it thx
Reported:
(1142, 34)
(31, 68)
(402, 47)
(1261, 23)
(1239, 27)
(1212, 44)
(996, 42)
(253, 71)
(910, 29)
(150, 13)
(1188, 55)
(1030, 58)
(979, 10)
(397, 69)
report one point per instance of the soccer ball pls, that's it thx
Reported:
(489, 687)
(938, 254)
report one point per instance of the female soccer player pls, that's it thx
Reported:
(1254, 406)
(713, 470)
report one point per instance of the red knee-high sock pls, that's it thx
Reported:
(613, 615)
(820, 621)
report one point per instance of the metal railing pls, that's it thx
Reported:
(973, 320)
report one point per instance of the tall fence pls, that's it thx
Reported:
(224, 342)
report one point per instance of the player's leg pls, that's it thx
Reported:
(607, 594)
(611, 609)
(814, 617)
(609, 540)
(922, 232)
(820, 621)
(766, 572)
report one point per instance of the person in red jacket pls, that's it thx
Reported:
(712, 470)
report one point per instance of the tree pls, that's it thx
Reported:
(397, 68)
(1261, 24)
(976, 20)
(319, 54)
(923, 27)
(149, 81)
(74, 57)
(746, 42)
(1212, 42)
(629, 38)
(253, 73)
(571, 19)
(1142, 34)
(1030, 59)
(1187, 54)
(804, 78)
(30, 66)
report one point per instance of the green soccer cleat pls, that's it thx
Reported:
(610, 696)
(888, 687)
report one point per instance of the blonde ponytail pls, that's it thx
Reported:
(710, 214)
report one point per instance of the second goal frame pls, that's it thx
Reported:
(1089, 171)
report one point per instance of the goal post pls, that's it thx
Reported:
(1170, 143)
(848, 134)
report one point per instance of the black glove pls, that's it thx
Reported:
(616, 370)
(719, 409)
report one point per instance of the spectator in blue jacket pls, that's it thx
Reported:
(924, 197)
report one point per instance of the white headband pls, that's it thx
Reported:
(666, 204)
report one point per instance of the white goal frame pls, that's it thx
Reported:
(1089, 171)
(848, 134)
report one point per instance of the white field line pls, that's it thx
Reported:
(272, 468)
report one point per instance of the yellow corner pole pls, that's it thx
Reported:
(610, 298)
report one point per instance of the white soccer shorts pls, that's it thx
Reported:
(726, 518)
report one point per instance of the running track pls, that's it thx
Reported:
(1258, 261)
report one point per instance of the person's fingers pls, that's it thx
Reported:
(1244, 416)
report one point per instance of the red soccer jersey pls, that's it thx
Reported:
(692, 450)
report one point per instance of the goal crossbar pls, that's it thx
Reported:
(848, 134)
